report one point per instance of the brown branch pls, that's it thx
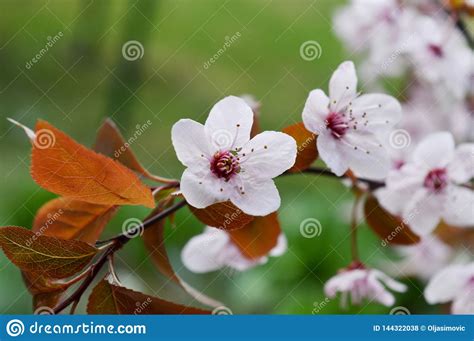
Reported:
(373, 185)
(117, 243)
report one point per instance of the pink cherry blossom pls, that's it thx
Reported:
(454, 284)
(360, 283)
(350, 127)
(223, 163)
(430, 187)
(421, 260)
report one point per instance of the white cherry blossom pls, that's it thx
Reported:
(223, 163)
(213, 250)
(431, 186)
(350, 127)
(453, 284)
(421, 260)
(441, 56)
(360, 283)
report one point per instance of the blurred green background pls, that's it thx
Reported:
(84, 78)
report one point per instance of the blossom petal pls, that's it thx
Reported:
(342, 86)
(376, 111)
(446, 284)
(233, 258)
(343, 282)
(315, 111)
(459, 207)
(435, 151)
(190, 143)
(202, 189)
(378, 292)
(257, 198)
(366, 156)
(423, 212)
(332, 153)
(461, 169)
(281, 246)
(463, 304)
(202, 252)
(229, 123)
(268, 155)
(392, 200)
(389, 281)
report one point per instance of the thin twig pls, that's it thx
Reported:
(373, 185)
(116, 243)
(354, 245)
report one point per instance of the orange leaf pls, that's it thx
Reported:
(110, 142)
(63, 166)
(306, 142)
(67, 218)
(455, 236)
(223, 215)
(107, 298)
(154, 240)
(46, 256)
(390, 228)
(258, 237)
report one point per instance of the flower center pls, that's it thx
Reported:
(224, 164)
(336, 123)
(436, 180)
(437, 50)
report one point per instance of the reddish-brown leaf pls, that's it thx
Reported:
(46, 256)
(258, 237)
(110, 142)
(456, 236)
(306, 143)
(67, 218)
(111, 299)
(391, 229)
(63, 166)
(223, 215)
